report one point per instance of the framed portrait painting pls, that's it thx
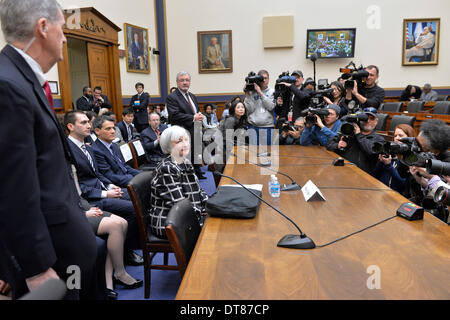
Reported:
(420, 41)
(214, 51)
(136, 49)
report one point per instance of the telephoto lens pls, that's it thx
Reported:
(438, 167)
(441, 196)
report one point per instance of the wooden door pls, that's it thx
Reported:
(99, 68)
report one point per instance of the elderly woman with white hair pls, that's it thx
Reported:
(174, 180)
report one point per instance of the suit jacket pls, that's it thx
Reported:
(90, 181)
(140, 111)
(41, 223)
(180, 111)
(153, 153)
(109, 167)
(105, 104)
(85, 105)
(123, 130)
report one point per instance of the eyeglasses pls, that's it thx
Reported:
(371, 109)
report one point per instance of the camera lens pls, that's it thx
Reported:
(441, 195)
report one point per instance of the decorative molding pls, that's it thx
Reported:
(93, 27)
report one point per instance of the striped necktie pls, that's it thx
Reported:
(88, 155)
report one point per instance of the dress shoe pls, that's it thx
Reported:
(110, 294)
(137, 284)
(133, 259)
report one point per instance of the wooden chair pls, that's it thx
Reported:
(139, 190)
(139, 158)
(182, 229)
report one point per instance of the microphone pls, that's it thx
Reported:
(293, 241)
(285, 187)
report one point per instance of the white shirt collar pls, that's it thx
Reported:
(33, 65)
(77, 142)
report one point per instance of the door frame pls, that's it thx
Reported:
(95, 28)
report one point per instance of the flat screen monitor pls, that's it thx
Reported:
(331, 43)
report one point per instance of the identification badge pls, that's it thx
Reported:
(137, 103)
(290, 116)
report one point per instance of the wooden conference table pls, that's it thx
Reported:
(239, 259)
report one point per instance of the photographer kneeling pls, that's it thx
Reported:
(291, 134)
(358, 147)
(320, 133)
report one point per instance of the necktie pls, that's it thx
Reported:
(48, 93)
(83, 147)
(118, 160)
(192, 106)
(157, 132)
(130, 135)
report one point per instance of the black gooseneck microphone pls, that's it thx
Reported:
(293, 241)
(285, 187)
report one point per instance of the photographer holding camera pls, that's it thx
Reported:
(370, 95)
(320, 132)
(358, 147)
(260, 105)
(298, 100)
(291, 134)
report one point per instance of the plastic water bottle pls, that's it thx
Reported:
(275, 188)
(272, 176)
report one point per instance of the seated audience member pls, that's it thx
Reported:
(358, 148)
(208, 121)
(290, 137)
(214, 114)
(86, 101)
(100, 101)
(411, 93)
(338, 98)
(434, 137)
(320, 133)
(92, 137)
(118, 138)
(108, 155)
(226, 111)
(428, 94)
(95, 187)
(174, 180)
(126, 126)
(139, 103)
(115, 227)
(150, 138)
(389, 169)
(370, 95)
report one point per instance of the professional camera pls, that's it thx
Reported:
(438, 167)
(389, 148)
(323, 84)
(317, 100)
(442, 195)
(310, 114)
(414, 156)
(280, 89)
(358, 74)
(251, 79)
(347, 128)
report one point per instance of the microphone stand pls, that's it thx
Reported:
(285, 187)
(293, 241)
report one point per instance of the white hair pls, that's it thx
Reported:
(182, 73)
(19, 17)
(174, 133)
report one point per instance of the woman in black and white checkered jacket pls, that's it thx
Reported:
(175, 180)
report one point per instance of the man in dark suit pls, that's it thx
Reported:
(100, 101)
(86, 101)
(150, 139)
(108, 156)
(126, 126)
(139, 103)
(183, 111)
(95, 187)
(41, 223)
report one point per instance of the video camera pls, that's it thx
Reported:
(317, 100)
(280, 89)
(358, 74)
(438, 167)
(310, 114)
(251, 79)
(347, 128)
(284, 125)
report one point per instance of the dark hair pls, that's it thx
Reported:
(98, 122)
(98, 88)
(139, 84)
(212, 105)
(263, 72)
(406, 128)
(71, 117)
(373, 67)
(126, 111)
(437, 132)
(235, 98)
(243, 119)
(90, 114)
(86, 87)
(339, 86)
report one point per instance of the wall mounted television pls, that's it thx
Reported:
(331, 43)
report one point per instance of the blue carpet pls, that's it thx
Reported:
(164, 283)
